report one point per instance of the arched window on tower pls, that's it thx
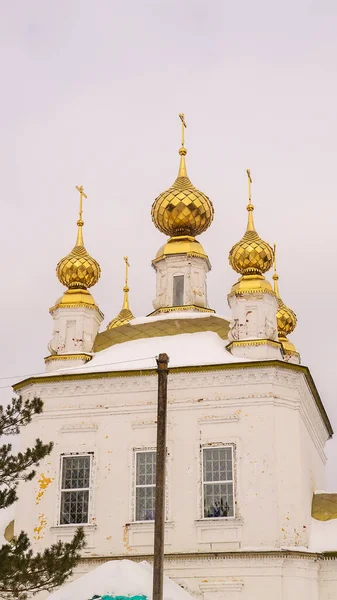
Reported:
(178, 290)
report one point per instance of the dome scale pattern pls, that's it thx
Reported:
(182, 209)
(78, 270)
(251, 255)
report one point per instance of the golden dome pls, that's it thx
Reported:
(251, 255)
(285, 317)
(182, 209)
(78, 270)
(125, 315)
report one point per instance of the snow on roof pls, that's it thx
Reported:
(177, 315)
(323, 536)
(118, 578)
(184, 350)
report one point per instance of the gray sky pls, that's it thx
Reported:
(90, 95)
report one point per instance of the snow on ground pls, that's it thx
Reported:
(323, 536)
(118, 578)
(184, 350)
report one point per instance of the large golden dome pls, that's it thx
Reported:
(182, 209)
(251, 255)
(78, 270)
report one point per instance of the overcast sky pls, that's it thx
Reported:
(90, 92)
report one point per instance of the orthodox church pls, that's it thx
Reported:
(246, 425)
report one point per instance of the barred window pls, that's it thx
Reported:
(218, 482)
(145, 485)
(75, 483)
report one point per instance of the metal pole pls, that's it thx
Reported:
(159, 523)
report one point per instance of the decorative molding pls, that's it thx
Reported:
(185, 308)
(209, 588)
(256, 342)
(52, 357)
(144, 424)
(219, 532)
(219, 419)
(141, 534)
(78, 427)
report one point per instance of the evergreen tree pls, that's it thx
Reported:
(22, 572)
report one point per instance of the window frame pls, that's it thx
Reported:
(135, 486)
(175, 276)
(211, 446)
(89, 488)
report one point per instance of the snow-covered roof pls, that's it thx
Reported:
(323, 536)
(184, 350)
(118, 578)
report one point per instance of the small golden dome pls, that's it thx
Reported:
(285, 317)
(251, 255)
(182, 209)
(78, 270)
(125, 315)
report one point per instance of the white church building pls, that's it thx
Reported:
(246, 425)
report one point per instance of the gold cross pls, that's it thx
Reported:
(183, 125)
(80, 189)
(127, 265)
(250, 181)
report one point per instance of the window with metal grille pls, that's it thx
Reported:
(218, 482)
(178, 290)
(75, 482)
(145, 485)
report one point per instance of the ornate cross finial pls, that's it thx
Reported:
(127, 265)
(80, 189)
(250, 181)
(183, 125)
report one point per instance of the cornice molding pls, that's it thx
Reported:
(149, 376)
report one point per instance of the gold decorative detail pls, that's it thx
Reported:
(78, 270)
(251, 284)
(125, 315)
(251, 255)
(182, 209)
(52, 357)
(184, 244)
(285, 317)
(184, 308)
(257, 342)
(324, 506)
(161, 327)
(76, 299)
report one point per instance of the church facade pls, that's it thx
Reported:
(246, 425)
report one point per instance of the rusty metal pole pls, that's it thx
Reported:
(159, 523)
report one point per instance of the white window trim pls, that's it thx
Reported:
(90, 489)
(211, 446)
(135, 486)
(132, 502)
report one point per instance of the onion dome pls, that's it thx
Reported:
(125, 315)
(251, 255)
(285, 317)
(78, 270)
(182, 209)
